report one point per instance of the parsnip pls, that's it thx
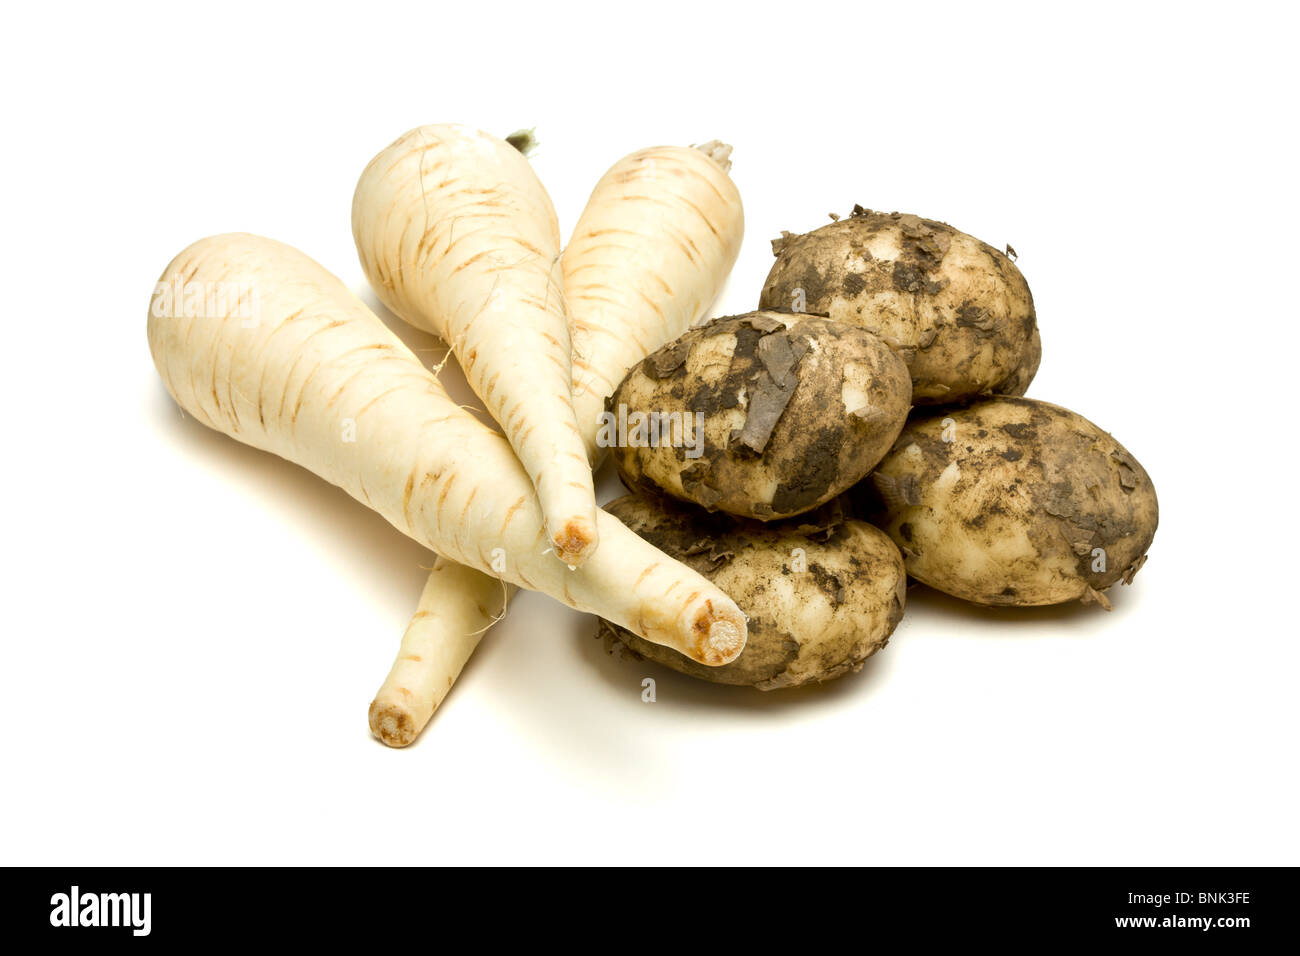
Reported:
(457, 236)
(647, 258)
(442, 635)
(318, 379)
(649, 254)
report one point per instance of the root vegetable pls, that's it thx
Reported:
(957, 309)
(457, 236)
(439, 640)
(1014, 502)
(764, 415)
(320, 380)
(1017, 383)
(647, 257)
(821, 595)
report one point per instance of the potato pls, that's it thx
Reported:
(764, 415)
(822, 595)
(1017, 383)
(957, 309)
(1012, 501)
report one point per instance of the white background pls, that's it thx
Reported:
(192, 630)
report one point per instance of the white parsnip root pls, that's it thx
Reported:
(648, 256)
(458, 236)
(439, 640)
(650, 253)
(318, 379)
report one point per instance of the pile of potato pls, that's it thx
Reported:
(865, 425)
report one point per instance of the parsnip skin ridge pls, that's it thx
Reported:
(319, 380)
(631, 286)
(457, 236)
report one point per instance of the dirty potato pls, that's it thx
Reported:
(1012, 501)
(958, 310)
(822, 595)
(764, 415)
(1017, 383)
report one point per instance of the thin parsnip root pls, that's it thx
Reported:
(457, 236)
(318, 379)
(437, 643)
(649, 254)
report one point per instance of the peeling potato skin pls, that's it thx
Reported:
(1009, 512)
(804, 626)
(956, 308)
(795, 410)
